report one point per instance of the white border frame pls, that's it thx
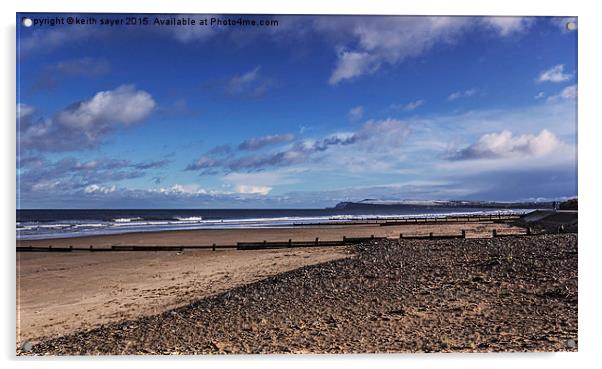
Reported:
(589, 178)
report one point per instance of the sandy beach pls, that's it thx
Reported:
(61, 294)
(475, 295)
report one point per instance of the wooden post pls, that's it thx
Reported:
(344, 240)
(463, 233)
(494, 233)
(400, 235)
(70, 247)
(317, 240)
(290, 242)
(372, 236)
(431, 235)
(91, 247)
(213, 248)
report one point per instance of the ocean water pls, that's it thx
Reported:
(60, 223)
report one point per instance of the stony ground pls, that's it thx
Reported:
(502, 294)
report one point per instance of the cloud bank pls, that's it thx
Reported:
(504, 144)
(84, 124)
(374, 135)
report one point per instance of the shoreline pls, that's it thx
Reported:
(143, 226)
(281, 234)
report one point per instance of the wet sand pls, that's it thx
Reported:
(231, 236)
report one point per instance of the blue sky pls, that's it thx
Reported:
(313, 111)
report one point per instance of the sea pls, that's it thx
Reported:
(62, 223)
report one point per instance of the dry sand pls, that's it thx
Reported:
(60, 293)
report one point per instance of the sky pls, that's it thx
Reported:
(304, 113)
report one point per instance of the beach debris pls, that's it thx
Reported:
(26, 346)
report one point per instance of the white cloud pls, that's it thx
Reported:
(567, 93)
(504, 144)
(196, 190)
(94, 188)
(382, 41)
(46, 185)
(508, 25)
(23, 110)
(384, 134)
(248, 85)
(84, 124)
(122, 106)
(239, 82)
(460, 94)
(356, 113)
(390, 40)
(248, 189)
(263, 178)
(256, 143)
(181, 189)
(248, 77)
(374, 135)
(540, 95)
(262, 182)
(554, 74)
(409, 106)
(45, 39)
(352, 64)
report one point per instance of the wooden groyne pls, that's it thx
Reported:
(261, 245)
